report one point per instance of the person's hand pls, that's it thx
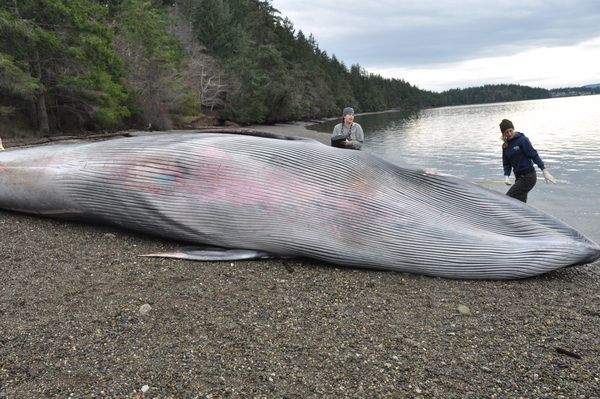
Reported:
(507, 181)
(548, 177)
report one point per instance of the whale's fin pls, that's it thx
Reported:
(213, 254)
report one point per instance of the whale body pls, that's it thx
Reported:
(291, 197)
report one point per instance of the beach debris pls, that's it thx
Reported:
(567, 352)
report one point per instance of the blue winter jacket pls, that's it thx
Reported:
(520, 155)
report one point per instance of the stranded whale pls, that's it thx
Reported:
(271, 195)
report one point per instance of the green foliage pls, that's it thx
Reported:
(217, 29)
(493, 94)
(13, 79)
(65, 46)
(152, 58)
(190, 106)
(5, 111)
(281, 74)
(145, 28)
(108, 95)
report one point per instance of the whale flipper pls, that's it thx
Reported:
(213, 254)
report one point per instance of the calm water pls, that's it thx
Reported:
(465, 141)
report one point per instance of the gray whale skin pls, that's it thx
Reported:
(271, 195)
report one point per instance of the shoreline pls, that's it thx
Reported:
(82, 315)
(295, 128)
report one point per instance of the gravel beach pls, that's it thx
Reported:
(83, 316)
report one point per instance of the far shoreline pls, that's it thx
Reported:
(289, 128)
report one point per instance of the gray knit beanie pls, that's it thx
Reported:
(347, 111)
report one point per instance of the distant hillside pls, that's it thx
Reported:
(493, 94)
(576, 91)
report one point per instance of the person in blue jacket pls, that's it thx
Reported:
(519, 156)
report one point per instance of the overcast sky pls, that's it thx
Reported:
(444, 44)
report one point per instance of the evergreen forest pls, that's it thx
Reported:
(106, 65)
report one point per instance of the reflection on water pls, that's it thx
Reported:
(465, 141)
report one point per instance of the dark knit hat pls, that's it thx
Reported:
(347, 111)
(506, 124)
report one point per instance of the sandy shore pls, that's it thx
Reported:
(82, 316)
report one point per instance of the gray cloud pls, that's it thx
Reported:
(423, 33)
(438, 45)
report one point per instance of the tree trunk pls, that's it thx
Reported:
(40, 100)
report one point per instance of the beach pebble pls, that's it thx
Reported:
(463, 309)
(145, 309)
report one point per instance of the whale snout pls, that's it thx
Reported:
(590, 253)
